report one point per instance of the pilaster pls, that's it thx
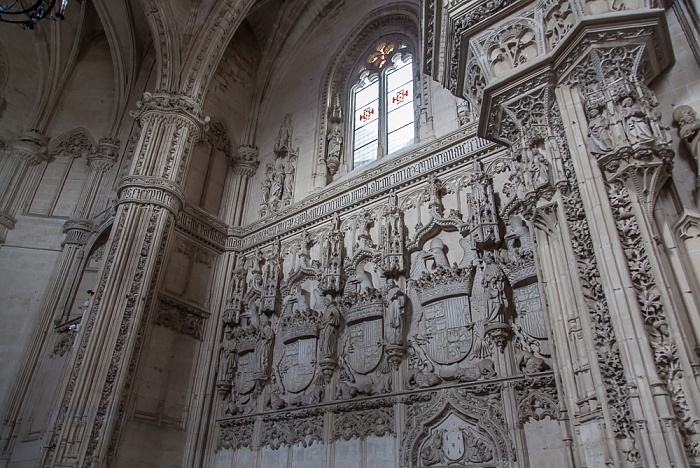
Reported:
(93, 401)
(243, 167)
(20, 176)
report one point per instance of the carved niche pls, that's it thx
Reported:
(280, 176)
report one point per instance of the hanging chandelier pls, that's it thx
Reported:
(28, 12)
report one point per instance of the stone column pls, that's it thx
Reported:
(93, 401)
(19, 176)
(620, 159)
(243, 167)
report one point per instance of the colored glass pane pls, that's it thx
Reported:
(380, 56)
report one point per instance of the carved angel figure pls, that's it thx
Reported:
(599, 140)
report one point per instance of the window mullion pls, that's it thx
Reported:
(383, 116)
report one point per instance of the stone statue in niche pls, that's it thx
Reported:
(328, 335)
(689, 128)
(288, 193)
(277, 183)
(263, 348)
(365, 223)
(227, 362)
(266, 187)
(434, 197)
(493, 282)
(392, 238)
(539, 166)
(331, 276)
(334, 137)
(634, 119)
(599, 139)
(395, 307)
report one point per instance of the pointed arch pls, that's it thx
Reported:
(166, 43)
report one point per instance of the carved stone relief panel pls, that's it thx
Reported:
(432, 289)
(277, 187)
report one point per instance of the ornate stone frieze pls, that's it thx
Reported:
(151, 190)
(218, 137)
(288, 429)
(246, 160)
(350, 421)
(170, 104)
(75, 143)
(235, 434)
(180, 317)
(202, 227)
(365, 186)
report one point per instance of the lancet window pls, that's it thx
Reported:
(382, 103)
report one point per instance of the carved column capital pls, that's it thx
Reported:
(31, 147)
(246, 161)
(164, 104)
(102, 158)
(77, 231)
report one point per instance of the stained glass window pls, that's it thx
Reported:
(383, 103)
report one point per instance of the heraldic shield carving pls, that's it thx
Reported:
(298, 328)
(456, 442)
(447, 332)
(443, 293)
(298, 364)
(364, 345)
